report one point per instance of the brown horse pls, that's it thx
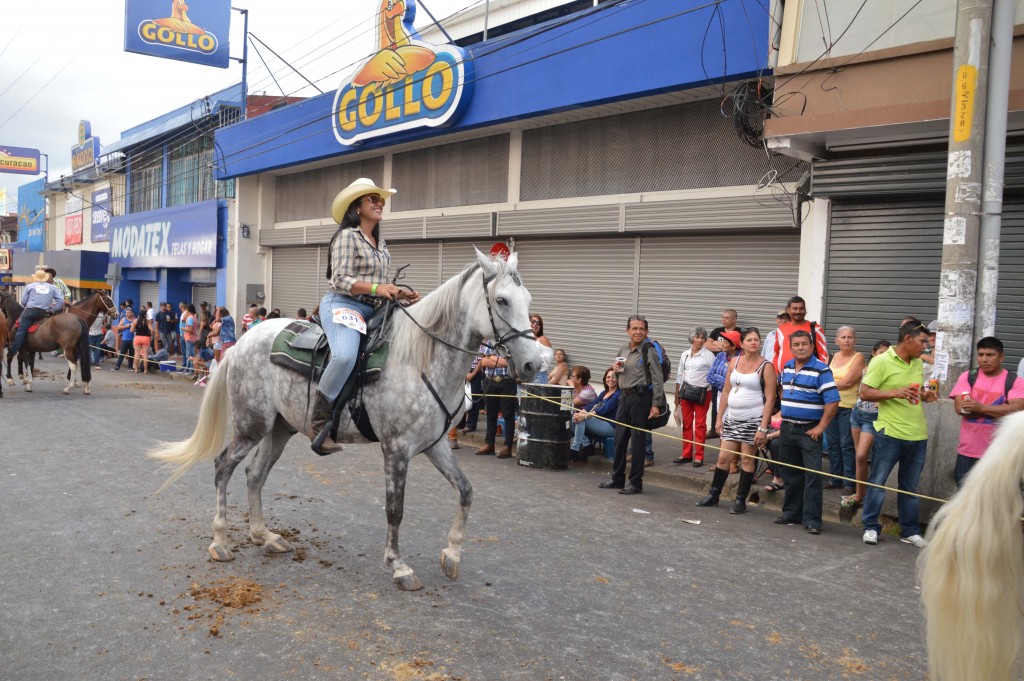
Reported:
(87, 309)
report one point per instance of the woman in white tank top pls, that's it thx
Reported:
(744, 414)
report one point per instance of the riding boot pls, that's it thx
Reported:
(742, 491)
(717, 484)
(321, 426)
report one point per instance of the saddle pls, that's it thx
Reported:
(302, 347)
(33, 328)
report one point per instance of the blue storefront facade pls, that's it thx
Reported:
(599, 146)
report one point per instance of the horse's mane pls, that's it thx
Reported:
(436, 312)
(972, 571)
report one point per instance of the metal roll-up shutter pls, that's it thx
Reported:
(204, 293)
(457, 255)
(884, 261)
(149, 292)
(424, 261)
(1010, 297)
(295, 280)
(686, 281)
(584, 291)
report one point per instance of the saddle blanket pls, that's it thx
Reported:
(302, 347)
(31, 329)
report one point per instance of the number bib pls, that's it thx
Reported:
(350, 318)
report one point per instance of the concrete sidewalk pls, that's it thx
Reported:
(686, 478)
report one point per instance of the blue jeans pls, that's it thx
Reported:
(344, 342)
(595, 428)
(190, 350)
(29, 316)
(842, 455)
(887, 452)
(863, 421)
(94, 348)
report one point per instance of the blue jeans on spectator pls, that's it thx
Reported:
(595, 428)
(94, 348)
(190, 349)
(842, 455)
(344, 342)
(887, 452)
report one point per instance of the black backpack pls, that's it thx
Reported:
(1011, 377)
(662, 419)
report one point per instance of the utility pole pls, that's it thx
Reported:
(958, 282)
(995, 165)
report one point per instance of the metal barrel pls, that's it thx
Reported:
(545, 428)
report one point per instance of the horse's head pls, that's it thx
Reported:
(108, 303)
(503, 315)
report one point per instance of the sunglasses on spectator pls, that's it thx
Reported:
(376, 200)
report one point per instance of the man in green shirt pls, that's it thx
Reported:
(895, 380)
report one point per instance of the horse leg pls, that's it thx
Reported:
(26, 377)
(442, 458)
(72, 368)
(396, 469)
(10, 358)
(256, 473)
(224, 466)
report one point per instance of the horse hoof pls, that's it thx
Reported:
(88, 391)
(407, 581)
(276, 544)
(66, 391)
(28, 388)
(449, 565)
(10, 381)
(221, 554)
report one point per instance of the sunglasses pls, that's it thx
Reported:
(376, 200)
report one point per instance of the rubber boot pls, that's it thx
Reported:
(742, 491)
(717, 484)
(322, 442)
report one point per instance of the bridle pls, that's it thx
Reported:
(498, 341)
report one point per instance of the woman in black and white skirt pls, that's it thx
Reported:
(744, 413)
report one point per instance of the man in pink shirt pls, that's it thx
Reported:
(981, 396)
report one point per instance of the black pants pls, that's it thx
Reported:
(500, 397)
(633, 410)
(127, 351)
(804, 493)
(715, 395)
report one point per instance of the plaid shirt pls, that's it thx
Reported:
(354, 259)
(493, 372)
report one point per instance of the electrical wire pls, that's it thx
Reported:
(37, 92)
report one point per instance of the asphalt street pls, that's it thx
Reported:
(102, 578)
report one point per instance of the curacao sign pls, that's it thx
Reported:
(405, 84)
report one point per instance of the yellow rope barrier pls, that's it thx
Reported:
(753, 456)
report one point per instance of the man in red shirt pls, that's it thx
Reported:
(797, 309)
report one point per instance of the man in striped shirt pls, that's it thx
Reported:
(809, 401)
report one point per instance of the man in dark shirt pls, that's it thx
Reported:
(640, 401)
(715, 345)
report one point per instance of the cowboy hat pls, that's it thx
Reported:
(346, 196)
(40, 276)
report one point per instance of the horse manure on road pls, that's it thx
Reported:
(220, 598)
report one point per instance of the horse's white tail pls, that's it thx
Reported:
(972, 571)
(207, 440)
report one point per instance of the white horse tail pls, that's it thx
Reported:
(207, 440)
(973, 568)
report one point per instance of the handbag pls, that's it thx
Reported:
(692, 393)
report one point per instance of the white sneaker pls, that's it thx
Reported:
(871, 537)
(915, 539)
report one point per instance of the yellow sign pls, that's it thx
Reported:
(966, 86)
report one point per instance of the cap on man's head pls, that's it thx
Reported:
(781, 313)
(933, 326)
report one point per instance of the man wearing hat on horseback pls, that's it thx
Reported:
(41, 298)
(65, 292)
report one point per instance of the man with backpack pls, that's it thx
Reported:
(643, 402)
(982, 396)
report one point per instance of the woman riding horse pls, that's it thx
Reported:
(358, 275)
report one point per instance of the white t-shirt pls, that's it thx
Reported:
(151, 314)
(746, 401)
(693, 369)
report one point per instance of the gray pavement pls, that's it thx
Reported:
(103, 578)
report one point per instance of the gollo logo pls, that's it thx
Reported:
(178, 31)
(405, 84)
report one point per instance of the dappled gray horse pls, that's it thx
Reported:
(432, 348)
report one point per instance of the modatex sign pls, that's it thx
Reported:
(19, 160)
(407, 83)
(172, 29)
(185, 236)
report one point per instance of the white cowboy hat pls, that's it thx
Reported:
(41, 276)
(360, 187)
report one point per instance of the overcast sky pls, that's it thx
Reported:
(63, 61)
